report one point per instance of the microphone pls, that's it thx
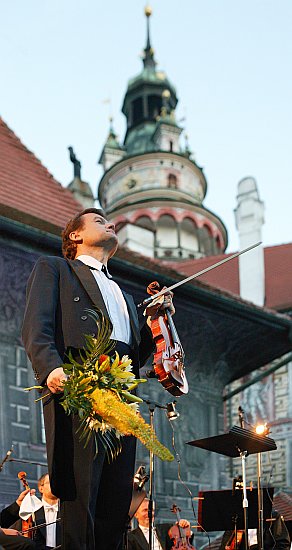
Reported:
(6, 458)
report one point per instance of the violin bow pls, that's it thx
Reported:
(195, 275)
(35, 527)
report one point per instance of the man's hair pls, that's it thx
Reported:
(41, 480)
(69, 248)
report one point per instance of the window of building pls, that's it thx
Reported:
(145, 222)
(166, 232)
(137, 111)
(154, 106)
(172, 181)
(189, 236)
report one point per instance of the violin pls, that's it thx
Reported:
(234, 540)
(26, 525)
(180, 536)
(168, 362)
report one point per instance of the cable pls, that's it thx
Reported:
(177, 457)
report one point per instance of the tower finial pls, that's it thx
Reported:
(148, 13)
(148, 60)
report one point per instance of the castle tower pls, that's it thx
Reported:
(152, 188)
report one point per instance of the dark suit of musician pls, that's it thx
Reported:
(12, 542)
(137, 540)
(40, 534)
(95, 495)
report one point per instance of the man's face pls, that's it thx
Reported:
(96, 232)
(45, 489)
(142, 513)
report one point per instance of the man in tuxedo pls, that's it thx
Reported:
(47, 536)
(138, 539)
(95, 495)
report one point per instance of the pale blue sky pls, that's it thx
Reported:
(230, 61)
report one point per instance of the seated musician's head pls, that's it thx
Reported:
(44, 488)
(141, 514)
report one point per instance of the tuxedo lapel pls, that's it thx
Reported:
(141, 539)
(133, 316)
(40, 519)
(88, 281)
(162, 534)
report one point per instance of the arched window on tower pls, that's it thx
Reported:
(154, 106)
(172, 181)
(145, 222)
(207, 240)
(189, 240)
(217, 245)
(138, 115)
(166, 236)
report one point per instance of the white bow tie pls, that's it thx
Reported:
(49, 507)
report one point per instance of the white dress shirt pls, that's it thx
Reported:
(113, 298)
(156, 543)
(51, 512)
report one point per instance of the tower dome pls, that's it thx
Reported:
(154, 191)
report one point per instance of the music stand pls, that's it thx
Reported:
(238, 442)
(222, 510)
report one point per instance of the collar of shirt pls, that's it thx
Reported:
(92, 262)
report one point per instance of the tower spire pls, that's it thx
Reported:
(148, 60)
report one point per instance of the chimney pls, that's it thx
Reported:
(249, 218)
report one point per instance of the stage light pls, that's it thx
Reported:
(262, 429)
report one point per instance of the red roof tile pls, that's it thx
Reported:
(278, 273)
(282, 502)
(28, 192)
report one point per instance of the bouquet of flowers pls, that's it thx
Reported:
(98, 390)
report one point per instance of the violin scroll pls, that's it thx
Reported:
(26, 525)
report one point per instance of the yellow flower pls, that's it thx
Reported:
(123, 418)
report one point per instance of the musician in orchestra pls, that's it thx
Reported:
(95, 495)
(49, 535)
(10, 539)
(276, 536)
(138, 539)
